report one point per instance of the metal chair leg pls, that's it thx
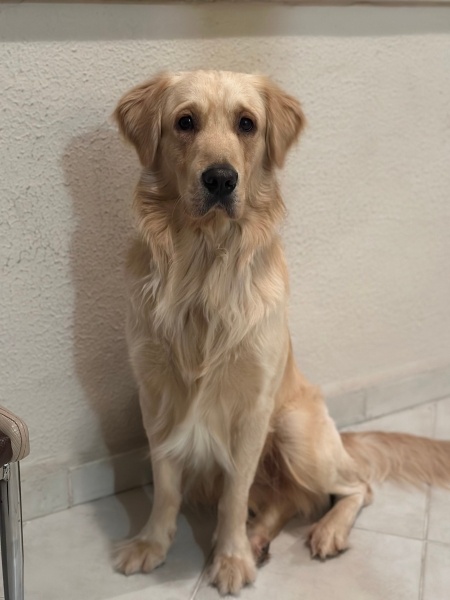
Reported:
(11, 532)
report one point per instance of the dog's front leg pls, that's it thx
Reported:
(234, 565)
(149, 549)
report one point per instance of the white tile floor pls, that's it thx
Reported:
(400, 546)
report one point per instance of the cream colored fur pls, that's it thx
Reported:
(229, 418)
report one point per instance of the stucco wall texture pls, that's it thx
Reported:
(367, 189)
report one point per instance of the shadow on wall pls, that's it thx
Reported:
(100, 173)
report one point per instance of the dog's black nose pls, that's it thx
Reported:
(220, 180)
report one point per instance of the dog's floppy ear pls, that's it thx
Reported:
(139, 114)
(285, 121)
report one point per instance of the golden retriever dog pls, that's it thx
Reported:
(230, 420)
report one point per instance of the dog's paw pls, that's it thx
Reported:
(326, 541)
(231, 573)
(138, 556)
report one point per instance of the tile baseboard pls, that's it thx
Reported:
(48, 488)
(359, 401)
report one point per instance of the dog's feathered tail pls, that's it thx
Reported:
(400, 457)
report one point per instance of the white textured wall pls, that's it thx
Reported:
(368, 192)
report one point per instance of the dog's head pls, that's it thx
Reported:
(210, 136)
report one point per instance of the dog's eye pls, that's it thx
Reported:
(246, 124)
(186, 123)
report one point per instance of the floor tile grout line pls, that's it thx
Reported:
(423, 561)
(427, 514)
(201, 576)
(437, 543)
(396, 535)
(428, 501)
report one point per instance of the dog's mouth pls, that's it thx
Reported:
(225, 205)
(206, 205)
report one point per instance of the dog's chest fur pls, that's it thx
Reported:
(204, 311)
(208, 300)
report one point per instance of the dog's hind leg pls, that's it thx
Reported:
(270, 509)
(329, 535)
(314, 458)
